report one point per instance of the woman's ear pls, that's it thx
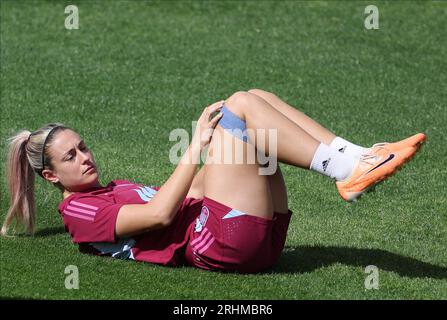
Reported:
(50, 176)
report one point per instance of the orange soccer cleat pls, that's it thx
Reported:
(413, 141)
(374, 167)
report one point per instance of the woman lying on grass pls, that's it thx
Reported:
(225, 217)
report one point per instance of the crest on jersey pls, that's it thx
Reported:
(201, 220)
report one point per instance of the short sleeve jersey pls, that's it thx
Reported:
(90, 218)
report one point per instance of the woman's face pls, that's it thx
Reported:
(71, 159)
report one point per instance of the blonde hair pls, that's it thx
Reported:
(28, 153)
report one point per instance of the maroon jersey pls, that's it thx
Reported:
(90, 218)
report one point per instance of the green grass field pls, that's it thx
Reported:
(136, 70)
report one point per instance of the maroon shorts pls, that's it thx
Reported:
(225, 239)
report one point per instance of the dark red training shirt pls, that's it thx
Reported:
(90, 219)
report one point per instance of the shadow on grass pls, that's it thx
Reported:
(307, 259)
(304, 259)
(50, 232)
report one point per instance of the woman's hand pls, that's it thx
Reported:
(205, 125)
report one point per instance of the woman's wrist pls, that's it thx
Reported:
(196, 150)
(192, 154)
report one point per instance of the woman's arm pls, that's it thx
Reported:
(174, 190)
(161, 209)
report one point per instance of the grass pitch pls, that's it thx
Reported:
(136, 70)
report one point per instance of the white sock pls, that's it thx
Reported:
(332, 163)
(346, 147)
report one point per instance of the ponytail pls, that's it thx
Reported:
(20, 179)
(24, 158)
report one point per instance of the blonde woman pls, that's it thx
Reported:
(224, 217)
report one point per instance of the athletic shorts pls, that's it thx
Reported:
(228, 240)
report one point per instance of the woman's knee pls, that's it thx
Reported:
(239, 102)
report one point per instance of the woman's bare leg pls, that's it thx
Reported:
(239, 185)
(278, 192)
(278, 189)
(309, 125)
(293, 146)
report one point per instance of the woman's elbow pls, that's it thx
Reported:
(157, 223)
(164, 220)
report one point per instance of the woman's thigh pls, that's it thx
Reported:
(278, 191)
(233, 178)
